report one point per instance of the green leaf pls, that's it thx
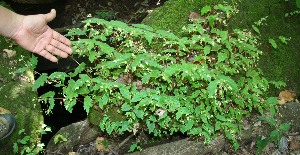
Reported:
(102, 100)
(93, 55)
(33, 61)
(139, 113)
(222, 56)
(255, 29)
(236, 146)
(169, 35)
(40, 81)
(205, 10)
(189, 125)
(211, 20)
(278, 84)
(138, 96)
(49, 96)
(59, 75)
(212, 88)
(206, 49)
(150, 126)
(149, 36)
(105, 48)
(273, 43)
(283, 39)
(24, 140)
(133, 147)
(261, 144)
(284, 127)
(230, 82)
(272, 110)
(221, 118)
(275, 135)
(126, 107)
(76, 31)
(87, 103)
(21, 70)
(78, 70)
(15, 148)
(272, 100)
(58, 138)
(118, 24)
(125, 92)
(69, 105)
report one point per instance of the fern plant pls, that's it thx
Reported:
(201, 83)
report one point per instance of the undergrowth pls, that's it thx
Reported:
(201, 84)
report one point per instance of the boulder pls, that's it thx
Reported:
(71, 138)
(18, 97)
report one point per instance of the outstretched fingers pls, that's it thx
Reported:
(56, 51)
(48, 56)
(61, 38)
(58, 46)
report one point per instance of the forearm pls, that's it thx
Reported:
(9, 22)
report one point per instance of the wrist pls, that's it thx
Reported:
(17, 24)
(10, 22)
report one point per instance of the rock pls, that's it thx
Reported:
(290, 113)
(294, 143)
(78, 135)
(34, 1)
(18, 97)
(185, 147)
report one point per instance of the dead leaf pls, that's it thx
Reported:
(100, 144)
(4, 111)
(294, 143)
(285, 96)
(10, 53)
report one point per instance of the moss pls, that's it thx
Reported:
(17, 96)
(173, 15)
(96, 116)
(281, 63)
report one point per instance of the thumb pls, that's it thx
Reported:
(50, 16)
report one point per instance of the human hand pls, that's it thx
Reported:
(36, 36)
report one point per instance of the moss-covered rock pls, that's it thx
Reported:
(17, 96)
(281, 63)
(95, 116)
(277, 64)
(173, 15)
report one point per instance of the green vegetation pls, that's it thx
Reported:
(201, 83)
(275, 134)
(28, 145)
(16, 94)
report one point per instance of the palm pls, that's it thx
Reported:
(36, 36)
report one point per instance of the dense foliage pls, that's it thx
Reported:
(201, 84)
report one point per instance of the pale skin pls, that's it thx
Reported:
(33, 34)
